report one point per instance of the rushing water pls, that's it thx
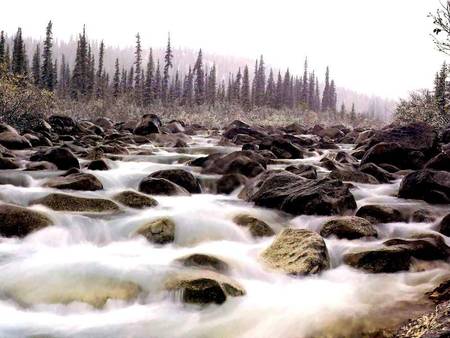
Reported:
(85, 257)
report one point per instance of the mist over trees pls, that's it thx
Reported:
(85, 71)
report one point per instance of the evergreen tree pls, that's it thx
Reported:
(123, 81)
(279, 92)
(47, 76)
(137, 69)
(211, 89)
(188, 88)
(353, 114)
(332, 99)
(317, 97)
(148, 88)
(343, 112)
(91, 73)
(286, 100)
(177, 91)
(2, 47)
(167, 66)
(305, 87)
(131, 78)
(19, 56)
(157, 83)
(80, 74)
(199, 85)
(116, 79)
(270, 91)
(245, 91)
(260, 83)
(36, 67)
(55, 74)
(440, 89)
(326, 92)
(311, 91)
(236, 86)
(99, 77)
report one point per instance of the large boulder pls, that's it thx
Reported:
(149, 124)
(380, 214)
(230, 182)
(246, 162)
(426, 247)
(65, 202)
(431, 186)
(135, 200)
(14, 141)
(161, 186)
(256, 227)
(160, 231)
(351, 227)
(204, 287)
(394, 154)
(303, 170)
(62, 124)
(298, 196)
(282, 148)
(7, 163)
(18, 221)
(63, 158)
(75, 181)
(444, 226)
(383, 259)
(297, 252)
(99, 164)
(382, 175)
(180, 177)
(440, 161)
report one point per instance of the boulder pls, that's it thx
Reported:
(429, 185)
(204, 287)
(76, 181)
(63, 158)
(203, 261)
(149, 124)
(441, 293)
(19, 222)
(7, 163)
(174, 127)
(382, 175)
(62, 124)
(297, 252)
(380, 214)
(353, 176)
(426, 247)
(230, 182)
(160, 231)
(247, 163)
(351, 227)
(98, 165)
(394, 154)
(135, 200)
(282, 148)
(380, 259)
(297, 196)
(440, 161)
(303, 170)
(256, 227)
(14, 141)
(65, 202)
(160, 186)
(444, 226)
(422, 216)
(180, 177)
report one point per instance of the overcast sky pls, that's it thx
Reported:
(377, 47)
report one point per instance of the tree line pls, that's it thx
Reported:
(155, 82)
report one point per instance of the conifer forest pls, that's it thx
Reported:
(211, 169)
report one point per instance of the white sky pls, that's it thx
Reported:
(377, 47)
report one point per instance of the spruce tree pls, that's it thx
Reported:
(47, 73)
(317, 97)
(270, 91)
(116, 79)
(286, 100)
(157, 83)
(236, 84)
(199, 84)
(167, 66)
(326, 92)
(440, 89)
(279, 92)
(99, 77)
(311, 91)
(123, 81)
(131, 78)
(305, 87)
(353, 114)
(188, 88)
(36, 67)
(332, 99)
(19, 57)
(137, 68)
(80, 73)
(148, 88)
(343, 112)
(245, 91)
(2, 47)
(260, 83)
(212, 86)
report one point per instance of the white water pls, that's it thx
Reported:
(85, 256)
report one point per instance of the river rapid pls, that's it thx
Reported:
(50, 280)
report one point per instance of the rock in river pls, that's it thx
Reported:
(18, 221)
(351, 227)
(432, 186)
(256, 227)
(75, 181)
(134, 199)
(160, 231)
(65, 202)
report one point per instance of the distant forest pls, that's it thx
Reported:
(83, 71)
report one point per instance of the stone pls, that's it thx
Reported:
(229, 183)
(429, 185)
(203, 261)
(180, 177)
(63, 158)
(380, 259)
(17, 221)
(160, 231)
(149, 124)
(135, 200)
(351, 227)
(65, 202)
(161, 186)
(100, 164)
(14, 141)
(76, 181)
(256, 227)
(379, 214)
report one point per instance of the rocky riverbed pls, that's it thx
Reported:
(160, 229)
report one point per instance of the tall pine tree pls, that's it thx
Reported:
(47, 71)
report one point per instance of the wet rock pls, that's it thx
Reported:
(256, 227)
(331, 132)
(382, 175)
(180, 177)
(62, 124)
(441, 293)
(351, 227)
(379, 214)
(295, 128)
(204, 261)
(353, 176)
(303, 170)
(38, 166)
(426, 247)
(65, 202)
(14, 141)
(297, 252)
(440, 161)
(444, 226)
(98, 165)
(431, 186)
(345, 158)
(174, 127)
(433, 324)
(76, 181)
(63, 158)
(379, 260)
(394, 154)
(161, 186)
(19, 222)
(104, 123)
(247, 163)
(7, 163)
(231, 132)
(135, 200)
(422, 216)
(149, 124)
(160, 231)
(297, 196)
(230, 182)
(282, 148)
(204, 287)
